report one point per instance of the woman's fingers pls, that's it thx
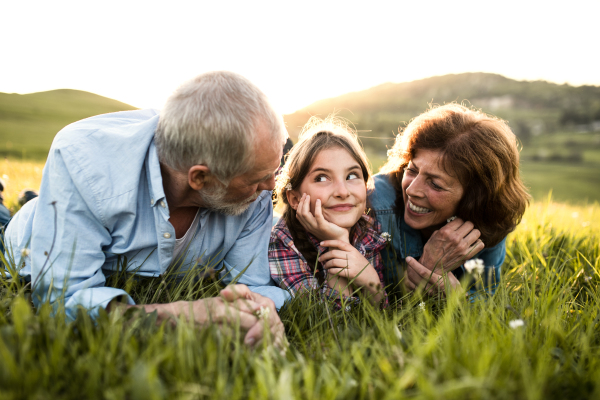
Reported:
(475, 248)
(472, 236)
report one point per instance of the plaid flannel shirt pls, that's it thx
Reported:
(291, 272)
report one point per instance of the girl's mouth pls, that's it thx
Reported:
(341, 207)
(417, 209)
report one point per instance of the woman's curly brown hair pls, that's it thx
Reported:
(481, 151)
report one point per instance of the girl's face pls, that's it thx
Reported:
(431, 195)
(335, 178)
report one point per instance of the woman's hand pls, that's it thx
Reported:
(449, 247)
(432, 282)
(317, 224)
(344, 261)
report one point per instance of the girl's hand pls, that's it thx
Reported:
(345, 261)
(317, 224)
(450, 246)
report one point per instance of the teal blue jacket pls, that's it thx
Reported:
(406, 241)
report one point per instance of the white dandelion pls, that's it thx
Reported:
(386, 236)
(25, 252)
(475, 266)
(516, 323)
(263, 312)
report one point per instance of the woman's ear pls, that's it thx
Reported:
(292, 198)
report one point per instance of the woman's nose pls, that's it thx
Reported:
(415, 188)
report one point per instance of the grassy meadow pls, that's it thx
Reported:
(423, 348)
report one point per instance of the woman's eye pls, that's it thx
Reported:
(352, 175)
(436, 187)
(410, 171)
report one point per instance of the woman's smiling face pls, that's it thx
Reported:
(431, 195)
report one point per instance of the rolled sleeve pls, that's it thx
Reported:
(67, 239)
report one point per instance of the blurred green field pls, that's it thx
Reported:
(28, 122)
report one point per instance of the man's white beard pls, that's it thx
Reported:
(214, 199)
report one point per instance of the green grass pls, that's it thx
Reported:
(449, 349)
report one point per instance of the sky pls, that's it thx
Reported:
(297, 52)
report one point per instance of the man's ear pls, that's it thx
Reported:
(292, 198)
(198, 176)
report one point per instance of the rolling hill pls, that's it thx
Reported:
(531, 108)
(28, 122)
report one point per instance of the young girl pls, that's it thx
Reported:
(324, 239)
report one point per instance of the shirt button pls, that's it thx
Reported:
(166, 235)
(162, 204)
(151, 202)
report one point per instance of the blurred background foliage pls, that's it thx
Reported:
(558, 125)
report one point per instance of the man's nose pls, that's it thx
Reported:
(269, 184)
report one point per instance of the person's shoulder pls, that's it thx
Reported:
(101, 128)
(383, 195)
(281, 232)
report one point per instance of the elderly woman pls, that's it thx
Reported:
(450, 191)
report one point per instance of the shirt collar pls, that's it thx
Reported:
(155, 185)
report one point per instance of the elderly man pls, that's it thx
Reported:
(184, 188)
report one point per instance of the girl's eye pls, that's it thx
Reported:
(321, 178)
(352, 175)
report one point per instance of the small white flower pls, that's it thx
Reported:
(516, 323)
(25, 252)
(587, 278)
(422, 306)
(288, 186)
(452, 218)
(475, 266)
(386, 236)
(263, 312)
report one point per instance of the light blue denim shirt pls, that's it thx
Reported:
(407, 241)
(103, 176)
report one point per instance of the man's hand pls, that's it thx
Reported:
(236, 306)
(241, 293)
(317, 224)
(432, 282)
(450, 246)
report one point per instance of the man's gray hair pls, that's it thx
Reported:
(213, 120)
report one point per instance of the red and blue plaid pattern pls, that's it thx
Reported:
(291, 272)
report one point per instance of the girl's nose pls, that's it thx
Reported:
(341, 190)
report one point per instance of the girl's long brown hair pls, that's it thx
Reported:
(317, 135)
